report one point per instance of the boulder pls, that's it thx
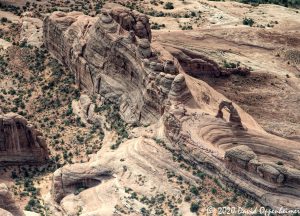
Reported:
(156, 66)
(143, 49)
(179, 90)
(240, 156)
(169, 67)
(270, 173)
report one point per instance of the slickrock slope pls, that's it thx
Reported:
(270, 92)
(152, 87)
(20, 142)
(264, 165)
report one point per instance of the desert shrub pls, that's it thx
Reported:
(187, 198)
(201, 175)
(250, 204)
(194, 190)
(279, 163)
(213, 190)
(157, 26)
(4, 19)
(248, 21)
(169, 6)
(227, 64)
(285, 3)
(194, 207)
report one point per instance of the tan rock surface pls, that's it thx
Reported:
(109, 62)
(31, 31)
(106, 62)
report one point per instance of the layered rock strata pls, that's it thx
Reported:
(70, 179)
(121, 65)
(130, 20)
(264, 166)
(115, 64)
(198, 65)
(20, 142)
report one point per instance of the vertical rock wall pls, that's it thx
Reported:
(111, 61)
(19, 141)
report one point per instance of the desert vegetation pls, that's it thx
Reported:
(160, 164)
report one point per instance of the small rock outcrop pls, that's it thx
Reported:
(199, 65)
(76, 177)
(20, 142)
(243, 158)
(31, 31)
(240, 155)
(85, 109)
(234, 117)
(196, 64)
(8, 206)
(130, 20)
(179, 90)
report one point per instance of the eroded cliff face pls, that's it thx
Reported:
(20, 142)
(112, 62)
(117, 64)
(130, 20)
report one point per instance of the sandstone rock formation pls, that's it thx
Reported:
(234, 117)
(101, 184)
(265, 166)
(20, 142)
(8, 207)
(179, 90)
(5, 213)
(198, 65)
(70, 179)
(85, 109)
(31, 31)
(130, 20)
(110, 61)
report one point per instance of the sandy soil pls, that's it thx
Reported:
(271, 93)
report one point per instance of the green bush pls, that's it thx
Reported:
(194, 190)
(213, 190)
(248, 21)
(194, 207)
(169, 6)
